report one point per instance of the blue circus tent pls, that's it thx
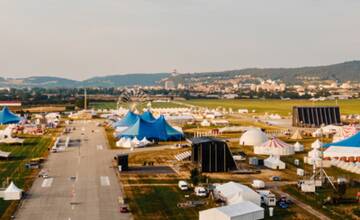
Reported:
(158, 130)
(7, 117)
(148, 116)
(353, 141)
(129, 119)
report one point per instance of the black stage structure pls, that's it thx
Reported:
(315, 116)
(212, 155)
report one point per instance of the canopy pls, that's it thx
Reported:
(353, 141)
(7, 117)
(153, 130)
(128, 120)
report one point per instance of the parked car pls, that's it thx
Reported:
(275, 178)
(183, 185)
(200, 191)
(124, 209)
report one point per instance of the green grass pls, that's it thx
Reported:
(112, 105)
(159, 202)
(283, 107)
(14, 167)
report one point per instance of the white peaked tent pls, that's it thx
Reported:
(315, 154)
(297, 135)
(12, 192)
(205, 123)
(298, 147)
(127, 143)
(274, 146)
(274, 162)
(253, 137)
(145, 141)
(135, 141)
(317, 133)
(317, 144)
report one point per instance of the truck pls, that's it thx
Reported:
(267, 197)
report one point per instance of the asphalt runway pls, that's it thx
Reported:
(82, 185)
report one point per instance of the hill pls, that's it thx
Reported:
(347, 71)
(125, 80)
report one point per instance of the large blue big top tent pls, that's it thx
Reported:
(158, 130)
(129, 119)
(147, 116)
(7, 117)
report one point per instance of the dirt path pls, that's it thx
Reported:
(308, 208)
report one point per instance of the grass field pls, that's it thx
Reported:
(14, 167)
(112, 105)
(283, 107)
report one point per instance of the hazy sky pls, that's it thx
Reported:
(83, 38)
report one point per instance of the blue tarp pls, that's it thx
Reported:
(129, 119)
(158, 130)
(7, 117)
(353, 141)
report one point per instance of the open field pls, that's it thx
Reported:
(112, 105)
(283, 107)
(14, 167)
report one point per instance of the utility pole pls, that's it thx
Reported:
(85, 99)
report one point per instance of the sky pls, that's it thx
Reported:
(79, 39)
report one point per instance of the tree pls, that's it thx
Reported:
(195, 176)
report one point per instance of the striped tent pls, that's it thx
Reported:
(274, 146)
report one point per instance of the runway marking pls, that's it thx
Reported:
(104, 181)
(99, 147)
(47, 182)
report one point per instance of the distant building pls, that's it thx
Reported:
(169, 85)
(10, 103)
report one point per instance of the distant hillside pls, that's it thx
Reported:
(125, 80)
(348, 71)
(106, 81)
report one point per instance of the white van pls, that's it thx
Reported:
(183, 185)
(200, 191)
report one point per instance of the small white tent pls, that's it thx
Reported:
(274, 162)
(12, 192)
(298, 147)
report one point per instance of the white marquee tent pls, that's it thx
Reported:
(242, 210)
(274, 162)
(232, 193)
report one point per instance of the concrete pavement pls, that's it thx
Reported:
(93, 191)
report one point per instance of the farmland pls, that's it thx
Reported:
(274, 106)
